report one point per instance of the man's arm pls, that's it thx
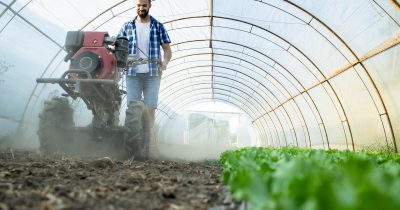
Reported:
(167, 55)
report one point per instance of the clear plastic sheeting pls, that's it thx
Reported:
(316, 74)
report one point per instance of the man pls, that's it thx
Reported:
(146, 35)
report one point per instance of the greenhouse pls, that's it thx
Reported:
(293, 74)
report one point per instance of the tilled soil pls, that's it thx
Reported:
(31, 181)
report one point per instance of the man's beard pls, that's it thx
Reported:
(143, 13)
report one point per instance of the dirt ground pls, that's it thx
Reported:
(29, 180)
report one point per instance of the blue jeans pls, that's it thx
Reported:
(146, 84)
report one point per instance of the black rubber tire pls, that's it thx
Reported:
(56, 126)
(136, 132)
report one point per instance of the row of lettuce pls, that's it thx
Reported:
(301, 179)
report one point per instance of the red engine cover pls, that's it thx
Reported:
(94, 42)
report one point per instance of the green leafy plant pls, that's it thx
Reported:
(292, 178)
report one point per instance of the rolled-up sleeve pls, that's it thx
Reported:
(122, 31)
(164, 38)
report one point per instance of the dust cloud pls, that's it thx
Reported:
(170, 144)
(26, 139)
(175, 143)
(181, 152)
(81, 145)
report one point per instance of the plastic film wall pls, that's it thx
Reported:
(317, 74)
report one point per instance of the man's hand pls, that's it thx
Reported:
(163, 66)
(167, 56)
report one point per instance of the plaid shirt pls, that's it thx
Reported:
(158, 36)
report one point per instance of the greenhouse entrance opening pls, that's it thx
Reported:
(204, 131)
